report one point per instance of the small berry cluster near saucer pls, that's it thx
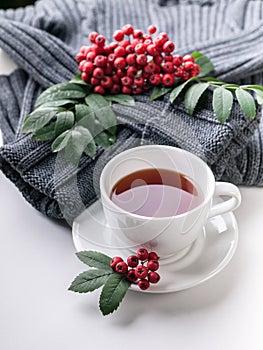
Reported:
(145, 272)
(115, 275)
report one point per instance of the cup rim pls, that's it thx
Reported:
(148, 218)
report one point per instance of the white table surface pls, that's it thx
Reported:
(37, 264)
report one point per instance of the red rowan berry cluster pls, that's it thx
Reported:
(133, 62)
(140, 269)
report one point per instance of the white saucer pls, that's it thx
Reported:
(207, 256)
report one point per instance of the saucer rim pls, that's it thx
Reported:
(226, 260)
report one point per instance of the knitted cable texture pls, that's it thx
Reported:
(43, 39)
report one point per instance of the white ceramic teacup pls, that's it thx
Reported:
(165, 235)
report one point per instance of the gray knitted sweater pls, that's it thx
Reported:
(43, 40)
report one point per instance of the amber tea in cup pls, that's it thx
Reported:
(156, 193)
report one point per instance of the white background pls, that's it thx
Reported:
(37, 264)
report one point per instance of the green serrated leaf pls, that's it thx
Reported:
(112, 130)
(91, 148)
(246, 102)
(222, 103)
(122, 99)
(206, 66)
(38, 119)
(47, 133)
(95, 259)
(252, 87)
(88, 122)
(63, 91)
(193, 95)
(113, 292)
(79, 138)
(57, 103)
(259, 99)
(104, 139)
(77, 80)
(65, 121)
(196, 54)
(230, 86)
(61, 141)
(213, 80)
(176, 91)
(158, 92)
(96, 101)
(258, 90)
(90, 280)
(86, 117)
(81, 111)
(112, 139)
(103, 111)
(107, 118)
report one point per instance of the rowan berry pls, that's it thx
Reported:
(138, 81)
(168, 80)
(118, 35)
(150, 67)
(158, 59)
(85, 77)
(141, 59)
(153, 265)
(92, 37)
(129, 49)
(94, 81)
(142, 254)
(120, 63)
(143, 284)
(121, 72)
(115, 89)
(119, 51)
(137, 34)
(168, 46)
(131, 276)
(88, 67)
(188, 58)
(106, 82)
(126, 81)
(98, 73)
(126, 90)
(155, 79)
(100, 40)
(100, 61)
(168, 58)
(177, 60)
(153, 277)
(188, 65)
(121, 267)
(91, 56)
(153, 256)
(132, 261)
(136, 90)
(151, 29)
(132, 71)
(131, 59)
(80, 57)
(140, 48)
(168, 67)
(114, 261)
(141, 271)
(127, 29)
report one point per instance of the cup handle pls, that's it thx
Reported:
(225, 189)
